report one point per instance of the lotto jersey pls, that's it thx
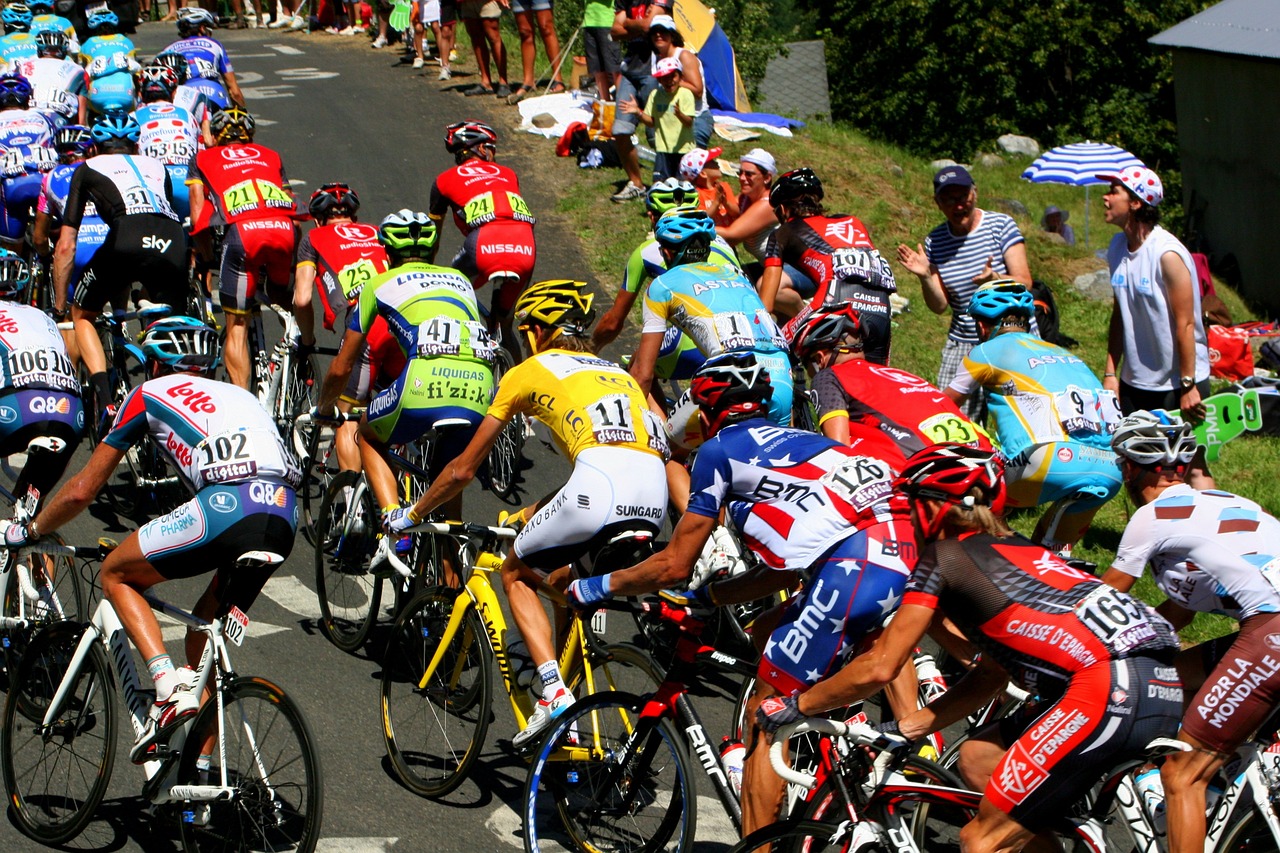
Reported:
(56, 84)
(716, 306)
(32, 352)
(646, 263)
(1209, 551)
(794, 494)
(430, 311)
(347, 256)
(1035, 615)
(242, 181)
(211, 432)
(18, 46)
(478, 193)
(167, 132)
(206, 58)
(585, 401)
(26, 137)
(1039, 393)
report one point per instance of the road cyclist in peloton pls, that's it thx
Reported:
(166, 131)
(1052, 416)
(209, 65)
(110, 60)
(242, 478)
(601, 423)
(26, 151)
(43, 20)
(1099, 661)
(1209, 551)
(60, 87)
(17, 42)
(188, 95)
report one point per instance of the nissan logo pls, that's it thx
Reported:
(243, 152)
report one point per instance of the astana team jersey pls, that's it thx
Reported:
(716, 306)
(32, 353)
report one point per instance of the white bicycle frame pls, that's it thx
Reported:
(281, 355)
(18, 571)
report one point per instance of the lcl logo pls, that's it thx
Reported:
(243, 152)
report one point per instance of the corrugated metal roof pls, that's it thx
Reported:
(1246, 27)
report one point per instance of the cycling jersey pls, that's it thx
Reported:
(478, 193)
(430, 310)
(16, 46)
(58, 24)
(646, 262)
(119, 185)
(206, 57)
(242, 181)
(57, 85)
(32, 352)
(346, 256)
(104, 48)
(168, 133)
(92, 232)
(892, 413)
(193, 100)
(26, 140)
(714, 305)
(110, 65)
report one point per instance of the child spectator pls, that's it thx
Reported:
(604, 55)
(701, 168)
(669, 111)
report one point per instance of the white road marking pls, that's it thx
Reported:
(246, 77)
(286, 49)
(263, 122)
(294, 596)
(240, 56)
(713, 824)
(306, 74)
(297, 182)
(262, 93)
(355, 845)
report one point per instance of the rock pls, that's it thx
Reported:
(543, 120)
(990, 161)
(1052, 237)
(896, 170)
(1011, 206)
(941, 164)
(1023, 145)
(905, 212)
(1095, 286)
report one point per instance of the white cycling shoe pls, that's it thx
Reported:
(180, 706)
(544, 714)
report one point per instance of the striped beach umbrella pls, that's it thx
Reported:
(1078, 164)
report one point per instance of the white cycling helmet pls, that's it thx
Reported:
(192, 18)
(1154, 438)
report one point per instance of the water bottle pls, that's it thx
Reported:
(732, 754)
(932, 684)
(1151, 790)
(523, 672)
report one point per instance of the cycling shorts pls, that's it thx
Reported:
(503, 245)
(181, 192)
(684, 425)
(851, 589)
(1051, 472)
(21, 193)
(219, 524)
(33, 413)
(89, 239)
(1108, 713)
(430, 390)
(612, 490)
(1243, 686)
(143, 247)
(380, 362)
(254, 252)
(678, 357)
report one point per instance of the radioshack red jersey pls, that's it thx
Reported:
(1035, 615)
(479, 193)
(346, 255)
(242, 181)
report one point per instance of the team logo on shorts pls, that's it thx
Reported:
(1273, 642)
(265, 494)
(224, 502)
(8, 415)
(1118, 696)
(49, 405)
(1065, 454)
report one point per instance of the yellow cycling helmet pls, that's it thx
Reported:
(555, 303)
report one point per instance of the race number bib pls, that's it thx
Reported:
(225, 457)
(1109, 410)
(482, 209)
(853, 264)
(611, 421)
(1120, 622)
(43, 366)
(657, 430)
(859, 481)
(448, 336)
(946, 427)
(142, 200)
(734, 331)
(12, 162)
(171, 152)
(1078, 411)
(353, 277)
(250, 194)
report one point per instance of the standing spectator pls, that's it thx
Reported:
(971, 248)
(383, 8)
(756, 219)
(480, 17)
(447, 36)
(701, 168)
(1054, 221)
(604, 58)
(427, 14)
(631, 26)
(669, 111)
(668, 43)
(1157, 342)
(528, 13)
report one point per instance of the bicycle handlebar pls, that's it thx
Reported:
(386, 552)
(860, 734)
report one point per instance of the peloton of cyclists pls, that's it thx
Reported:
(208, 62)
(26, 150)
(166, 131)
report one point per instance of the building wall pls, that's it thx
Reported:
(1229, 136)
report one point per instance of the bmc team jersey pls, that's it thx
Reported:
(431, 311)
(56, 84)
(1039, 393)
(1210, 551)
(795, 494)
(206, 58)
(1035, 615)
(478, 193)
(586, 402)
(212, 433)
(168, 133)
(716, 306)
(892, 413)
(244, 181)
(26, 140)
(346, 256)
(119, 185)
(32, 353)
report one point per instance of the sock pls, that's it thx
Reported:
(101, 390)
(162, 669)
(552, 681)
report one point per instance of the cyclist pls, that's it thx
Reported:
(804, 504)
(1052, 416)
(340, 256)
(226, 450)
(1099, 660)
(191, 98)
(603, 427)
(488, 209)
(110, 60)
(1209, 551)
(242, 186)
(206, 57)
(43, 20)
(17, 42)
(167, 132)
(59, 86)
(144, 242)
(26, 150)
(835, 252)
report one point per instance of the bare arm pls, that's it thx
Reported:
(340, 369)
(1015, 261)
(753, 220)
(770, 281)
(80, 490)
(1115, 350)
(233, 89)
(64, 259)
(462, 470)
(304, 277)
(691, 73)
(40, 234)
(1179, 284)
(669, 566)
(646, 356)
(610, 325)
(971, 692)
(1122, 581)
(836, 428)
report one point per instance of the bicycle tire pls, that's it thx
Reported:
(57, 782)
(627, 669)
(593, 803)
(794, 835)
(319, 467)
(503, 464)
(915, 768)
(66, 590)
(298, 393)
(272, 761)
(433, 735)
(1249, 834)
(349, 593)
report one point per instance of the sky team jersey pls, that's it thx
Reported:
(16, 46)
(716, 306)
(347, 256)
(795, 494)
(56, 84)
(585, 401)
(1035, 615)
(646, 262)
(119, 185)
(1209, 551)
(431, 311)
(32, 352)
(212, 433)
(1040, 393)
(206, 57)
(478, 193)
(26, 140)
(242, 181)
(167, 132)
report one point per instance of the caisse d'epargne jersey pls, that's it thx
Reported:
(1039, 393)
(32, 352)
(795, 494)
(1209, 551)
(892, 413)
(26, 137)
(212, 433)
(830, 250)
(206, 58)
(56, 84)
(167, 132)
(1035, 615)
(478, 193)
(242, 181)
(431, 311)
(119, 185)
(347, 256)
(586, 402)
(716, 306)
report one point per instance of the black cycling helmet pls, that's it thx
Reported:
(157, 83)
(462, 136)
(15, 91)
(794, 185)
(232, 125)
(334, 199)
(730, 387)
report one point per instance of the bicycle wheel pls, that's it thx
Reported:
(319, 467)
(56, 777)
(270, 759)
(826, 805)
(809, 836)
(628, 669)
(595, 786)
(60, 599)
(504, 458)
(1249, 834)
(434, 733)
(347, 534)
(298, 392)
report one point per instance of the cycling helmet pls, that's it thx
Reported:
(16, 18)
(232, 125)
(671, 194)
(949, 473)
(15, 275)
(103, 18)
(335, 199)
(828, 329)
(1154, 438)
(465, 135)
(157, 83)
(15, 90)
(559, 303)
(176, 61)
(407, 234)
(116, 129)
(730, 387)
(192, 18)
(998, 298)
(52, 40)
(74, 139)
(182, 344)
(687, 233)
(40, 7)
(793, 185)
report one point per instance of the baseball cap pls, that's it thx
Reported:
(1140, 181)
(692, 164)
(670, 65)
(761, 158)
(663, 22)
(951, 176)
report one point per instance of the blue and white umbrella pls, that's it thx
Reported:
(1078, 164)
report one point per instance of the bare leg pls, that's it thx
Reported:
(528, 50)
(547, 27)
(236, 349)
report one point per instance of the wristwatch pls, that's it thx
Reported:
(1187, 382)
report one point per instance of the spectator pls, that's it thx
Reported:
(668, 43)
(1054, 221)
(604, 58)
(426, 13)
(971, 248)
(701, 168)
(384, 8)
(528, 13)
(756, 219)
(631, 26)
(480, 17)
(447, 36)
(669, 111)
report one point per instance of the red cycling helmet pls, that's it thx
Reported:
(826, 330)
(949, 473)
(730, 387)
(334, 199)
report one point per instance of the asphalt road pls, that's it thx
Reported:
(337, 110)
